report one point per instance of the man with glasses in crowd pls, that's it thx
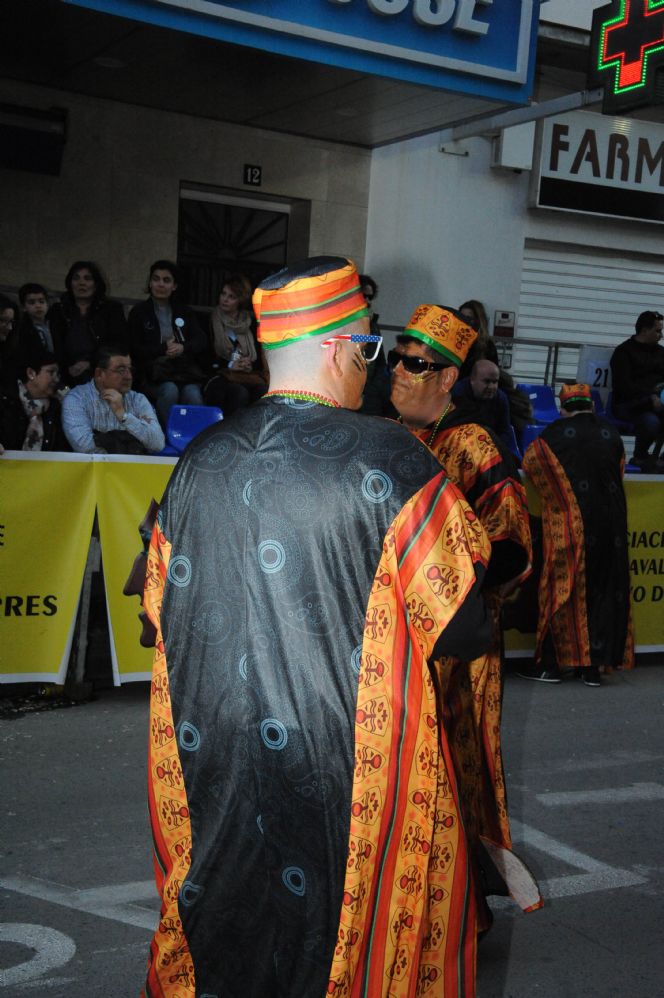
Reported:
(307, 563)
(105, 416)
(425, 366)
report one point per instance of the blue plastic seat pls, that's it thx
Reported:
(530, 433)
(599, 405)
(543, 402)
(186, 421)
(514, 447)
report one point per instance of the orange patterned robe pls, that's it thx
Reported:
(487, 476)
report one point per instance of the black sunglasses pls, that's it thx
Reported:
(414, 365)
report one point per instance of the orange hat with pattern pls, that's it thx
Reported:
(444, 330)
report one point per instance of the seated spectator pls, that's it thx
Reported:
(167, 343)
(9, 353)
(105, 416)
(30, 410)
(84, 320)
(376, 395)
(483, 348)
(480, 397)
(242, 375)
(637, 369)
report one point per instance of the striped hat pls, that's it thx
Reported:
(569, 394)
(444, 330)
(317, 296)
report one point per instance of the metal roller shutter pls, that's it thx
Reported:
(583, 296)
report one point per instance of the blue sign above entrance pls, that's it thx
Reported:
(481, 47)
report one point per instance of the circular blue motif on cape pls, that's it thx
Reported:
(377, 486)
(246, 493)
(259, 822)
(271, 556)
(179, 571)
(189, 737)
(274, 733)
(356, 659)
(242, 667)
(569, 432)
(190, 893)
(294, 879)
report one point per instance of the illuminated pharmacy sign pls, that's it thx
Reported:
(627, 50)
(600, 166)
(485, 48)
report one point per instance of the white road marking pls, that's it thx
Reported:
(611, 795)
(106, 902)
(54, 949)
(595, 876)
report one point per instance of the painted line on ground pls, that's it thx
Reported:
(611, 795)
(100, 901)
(595, 875)
(53, 949)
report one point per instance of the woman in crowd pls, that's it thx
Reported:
(242, 375)
(9, 348)
(483, 348)
(83, 320)
(167, 344)
(30, 408)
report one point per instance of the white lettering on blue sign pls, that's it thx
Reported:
(434, 13)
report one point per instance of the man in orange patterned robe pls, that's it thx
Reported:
(307, 565)
(576, 466)
(424, 366)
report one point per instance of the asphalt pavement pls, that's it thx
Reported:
(586, 790)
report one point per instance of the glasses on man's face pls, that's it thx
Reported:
(413, 365)
(121, 369)
(368, 344)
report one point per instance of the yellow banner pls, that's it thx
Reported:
(124, 488)
(645, 522)
(46, 513)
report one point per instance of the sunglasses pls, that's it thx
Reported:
(369, 344)
(413, 365)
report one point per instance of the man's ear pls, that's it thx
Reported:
(31, 373)
(333, 358)
(448, 378)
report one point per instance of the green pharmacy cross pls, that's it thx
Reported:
(627, 48)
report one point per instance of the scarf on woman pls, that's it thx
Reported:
(34, 410)
(224, 332)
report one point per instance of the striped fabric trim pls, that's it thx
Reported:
(434, 344)
(309, 306)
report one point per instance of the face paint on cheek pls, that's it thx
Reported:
(361, 367)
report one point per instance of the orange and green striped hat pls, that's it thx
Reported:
(444, 330)
(317, 296)
(569, 394)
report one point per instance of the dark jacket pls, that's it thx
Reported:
(31, 344)
(494, 412)
(146, 347)
(104, 323)
(14, 422)
(636, 369)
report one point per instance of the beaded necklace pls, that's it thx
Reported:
(436, 426)
(303, 396)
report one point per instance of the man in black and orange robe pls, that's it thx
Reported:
(307, 565)
(424, 366)
(576, 465)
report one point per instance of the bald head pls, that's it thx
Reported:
(484, 379)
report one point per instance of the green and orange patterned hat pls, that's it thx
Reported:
(444, 330)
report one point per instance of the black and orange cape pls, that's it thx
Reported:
(576, 465)
(306, 566)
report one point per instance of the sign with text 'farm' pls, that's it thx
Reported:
(480, 47)
(601, 166)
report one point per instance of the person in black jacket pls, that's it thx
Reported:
(30, 408)
(83, 321)
(637, 370)
(167, 344)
